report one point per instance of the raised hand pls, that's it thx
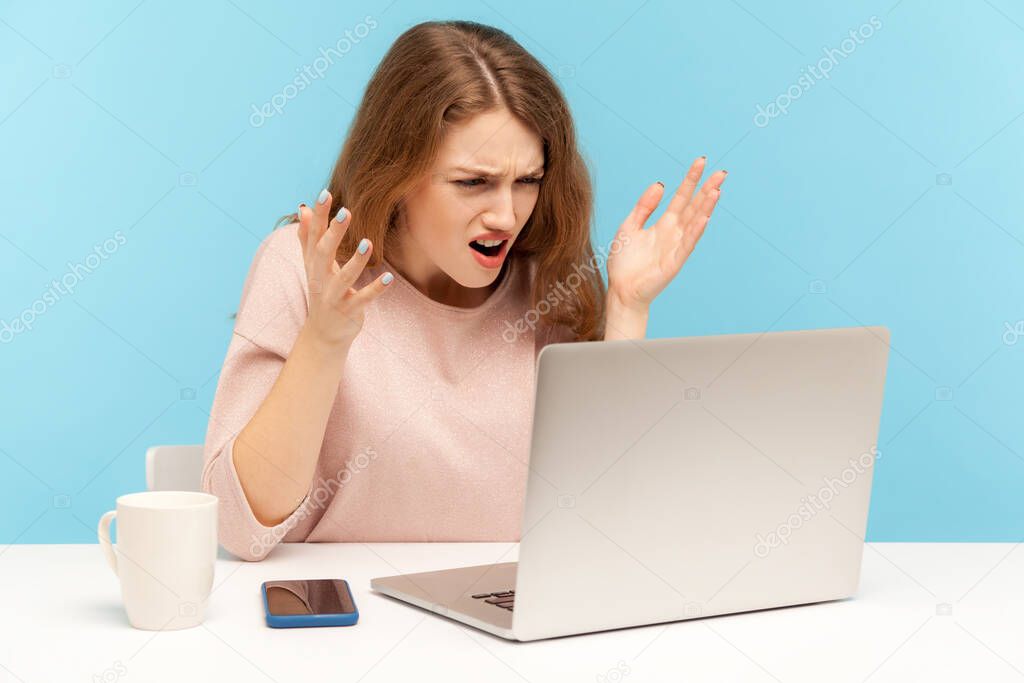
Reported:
(648, 259)
(336, 308)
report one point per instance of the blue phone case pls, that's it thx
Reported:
(302, 620)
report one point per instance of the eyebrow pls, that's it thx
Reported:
(491, 172)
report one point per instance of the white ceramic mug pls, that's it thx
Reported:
(165, 556)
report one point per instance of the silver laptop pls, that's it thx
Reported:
(674, 479)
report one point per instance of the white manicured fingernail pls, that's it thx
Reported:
(364, 245)
(341, 216)
(388, 277)
(323, 196)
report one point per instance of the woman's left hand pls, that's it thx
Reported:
(646, 260)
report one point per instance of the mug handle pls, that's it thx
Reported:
(103, 531)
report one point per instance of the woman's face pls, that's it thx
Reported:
(482, 186)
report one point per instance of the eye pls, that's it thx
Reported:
(531, 180)
(472, 182)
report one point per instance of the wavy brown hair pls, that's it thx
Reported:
(438, 74)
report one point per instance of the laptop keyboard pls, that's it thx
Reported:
(503, 599)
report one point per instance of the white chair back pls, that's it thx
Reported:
(174, 468)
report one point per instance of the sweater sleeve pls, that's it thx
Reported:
(271, 312)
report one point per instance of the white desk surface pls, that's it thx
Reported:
(925, 611)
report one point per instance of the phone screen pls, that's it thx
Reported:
(310, 596)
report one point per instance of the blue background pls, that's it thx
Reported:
(890, 193)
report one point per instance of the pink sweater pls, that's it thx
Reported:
(428, 438)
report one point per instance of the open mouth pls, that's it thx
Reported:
(488, 248)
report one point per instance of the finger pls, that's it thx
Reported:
(698, 221)
(327, 251)
(693, 230)
(372, 290)
(717, 178)
(710, 187)
(685, 191)
(710, 202)
(318, 219)
(644, 207)
(690, 238)
(353, 268)
(705, 203)
(322, 208)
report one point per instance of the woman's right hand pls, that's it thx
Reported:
(336, 308)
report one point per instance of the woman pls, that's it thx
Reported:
(379, 381)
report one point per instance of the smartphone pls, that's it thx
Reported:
(309, 602)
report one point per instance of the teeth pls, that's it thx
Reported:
(489, 243)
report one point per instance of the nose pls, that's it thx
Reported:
(502, 213)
